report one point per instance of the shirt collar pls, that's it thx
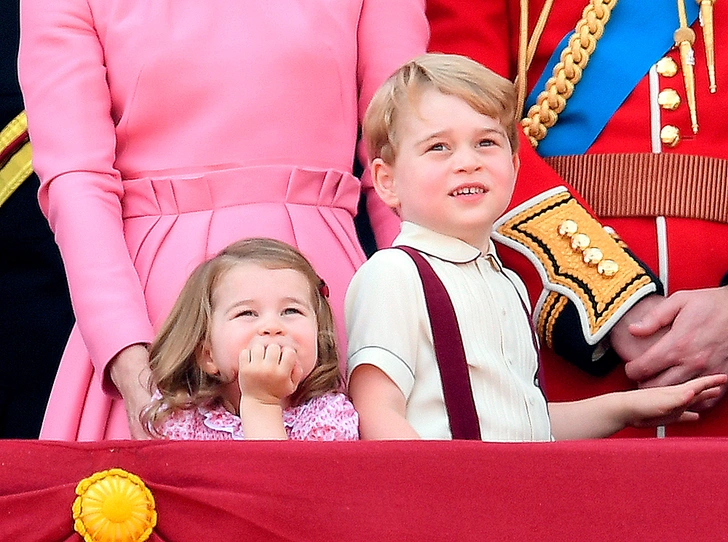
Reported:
(439, 245)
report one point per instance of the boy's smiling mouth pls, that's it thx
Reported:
(468, 190)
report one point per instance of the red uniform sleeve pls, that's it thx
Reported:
(575, 308)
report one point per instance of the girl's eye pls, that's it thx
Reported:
(292, 310)
(246, 312)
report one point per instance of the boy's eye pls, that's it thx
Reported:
(437, 147)
(486, 143)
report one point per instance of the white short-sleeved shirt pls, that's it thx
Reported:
(388, 327)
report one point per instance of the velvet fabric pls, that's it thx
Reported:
(623, 489)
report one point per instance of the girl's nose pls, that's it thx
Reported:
(270, 325)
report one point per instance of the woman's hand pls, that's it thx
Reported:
(129, 371)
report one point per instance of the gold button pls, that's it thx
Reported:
(670, 135)
(607, 268)
(666, 67)
(592, 256)
(669, 99)
(567, 228)
(580, 241)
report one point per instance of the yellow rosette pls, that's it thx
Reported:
(113, 505)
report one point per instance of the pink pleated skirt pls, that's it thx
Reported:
(174, 222)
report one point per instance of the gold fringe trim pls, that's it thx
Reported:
(549, 315)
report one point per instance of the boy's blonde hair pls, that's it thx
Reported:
(485, 91)
(174, 353)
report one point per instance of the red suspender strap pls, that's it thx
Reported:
(449, 352)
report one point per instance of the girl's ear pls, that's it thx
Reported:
(384, 184)
(205, 361)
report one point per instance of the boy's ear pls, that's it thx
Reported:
(516, 164)
(205, 361)
(383, 180)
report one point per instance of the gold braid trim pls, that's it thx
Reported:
(598, 297)
(15, 156)
(567, 72)
(548, 316)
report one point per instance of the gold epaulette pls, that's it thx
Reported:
(15, 156)
(577, 259)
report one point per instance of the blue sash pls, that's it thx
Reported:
(637, 35)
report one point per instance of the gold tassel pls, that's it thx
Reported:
(706, 22)
(684, 39)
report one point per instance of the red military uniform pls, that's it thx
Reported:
(677, 223)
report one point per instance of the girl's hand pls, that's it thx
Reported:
(650, 407)
(268, 374)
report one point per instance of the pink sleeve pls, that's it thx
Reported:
(63, 77)
(390, 34)
(329, 417)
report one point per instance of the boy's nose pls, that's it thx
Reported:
(467, 160)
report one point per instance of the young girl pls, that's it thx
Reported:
(249, 351)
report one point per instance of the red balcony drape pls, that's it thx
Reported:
(620, 489)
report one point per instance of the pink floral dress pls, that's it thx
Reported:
(329, 417)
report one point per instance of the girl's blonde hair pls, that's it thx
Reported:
(174, 353)
(485, 91)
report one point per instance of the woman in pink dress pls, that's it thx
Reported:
(165, 130)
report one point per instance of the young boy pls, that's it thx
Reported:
(442, 140)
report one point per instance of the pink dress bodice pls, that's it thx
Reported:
(329, 417)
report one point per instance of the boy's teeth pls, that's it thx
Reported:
(469, 190)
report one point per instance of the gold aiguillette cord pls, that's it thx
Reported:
(706, 22)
